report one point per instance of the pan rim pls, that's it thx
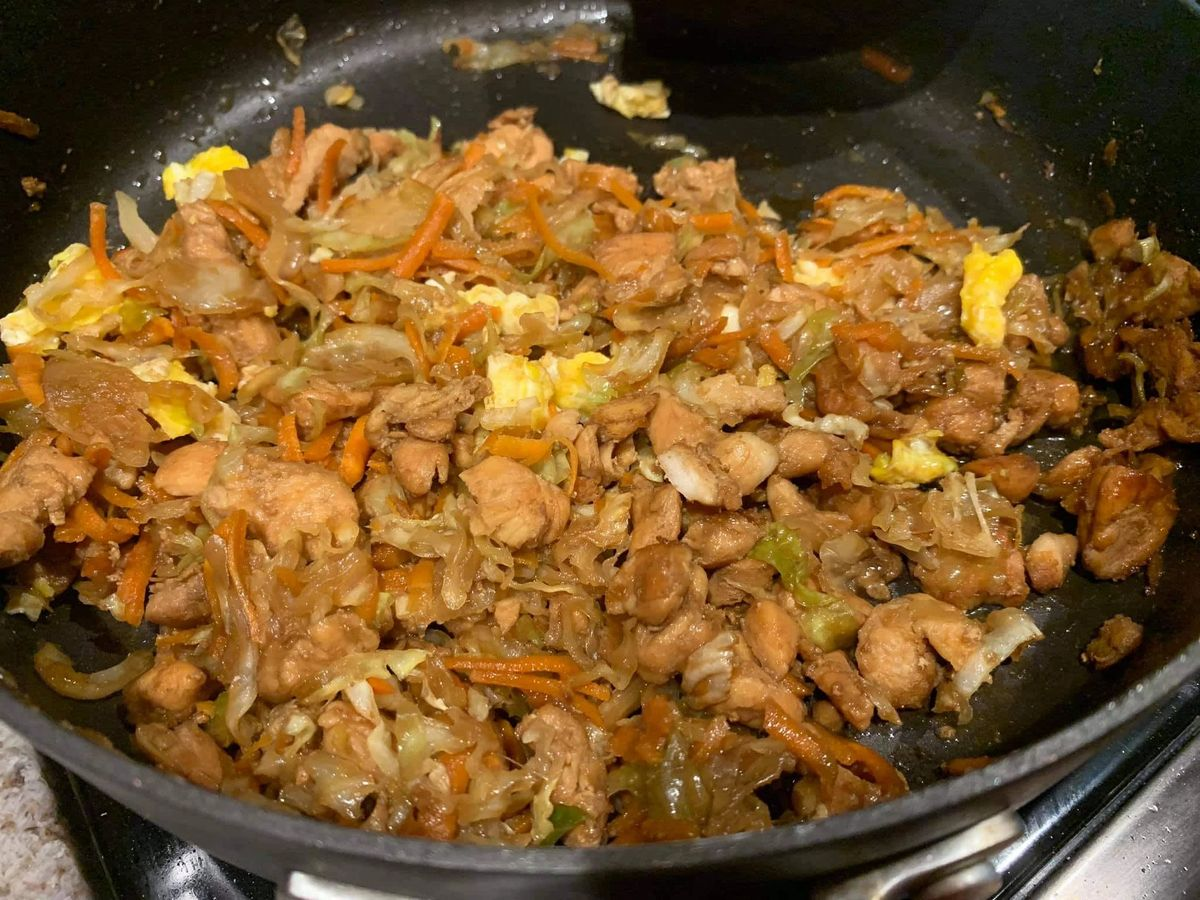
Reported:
(103, 767)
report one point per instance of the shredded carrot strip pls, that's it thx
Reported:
(852, 192)
(776, 348)
(296, 150)
(608, 182)
(719, 357)
(417, 339)
(528, 451)
(533, 662)
(106, 490)
(885, 65)
(880, 335)
(748, 209)
(97, 226)
(289, 439)
(473, 320)
(361, 264)
(135, 579)
(456, 768)
(876, 245)
(84, 517)
(183, 636)
(686, 343)
(321, 446)
(27, 370)
(355, 453)
(417, 249)
(783, 257)
(380, 686)
(715, 223)
(219, 357)
(10, 392)
(443, 248)
(420, 578)
(800, 743)
(64, 445)
(157, 331)
(551, 240)
(538, 684)
(595, 690)
(395, 581)
(459, 361)
(97, 565)
(729, 337)
(473, 154)
(289, 579)
(329, 165)
(589, 710)
(255, 233)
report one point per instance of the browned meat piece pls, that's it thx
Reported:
(853, 564)
(970, 581)
(698, 185)
(1171, 356)
(184, 750)
(740, 582)
(513, 140)
(289, 667)
(185, 472)
(845, 688)
(321, 401)
(99, 403)
(317, 142)
(513, 505)
(803, 452)
(732, 402)
(427, 411)
(1158, 420)
(772, 635)
(204, 238)
(563, 756)
(748, 459)
(1108, 240)
(37, 487)
(1030, 319)
(284, 500)
(674, 422)
(419, 464)
(662, 652)
(345, 733)
(653, 583)
(1116, 639)
(170, 689)
(894, 646)
(962, 421)
(1048, 559)
(1067, 478)
(839, 392)
(1015, 475)
(724, 537)
(699, 476)
(643, 268)
(657, 514)
(724, 676)
(251, 339)
(1125, 519)
(179, 602)
(1046, 398)
(620, 418)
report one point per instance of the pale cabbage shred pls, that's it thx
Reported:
(414, 716)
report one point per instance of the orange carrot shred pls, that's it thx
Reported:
(355, 453)
(289, 439)
(473, 154)
(533, 662)
(27, 370)
(380, 686)
(361, 263)
(106, 490)
(296, 149)
(776, 348)
(783, 257)
(417, 339)
(135, 579)
(881, 244)
(456, 768)
(551, 240)
(254, 233)
(748, 209)
(97, 238)
(686, 343)
(11, 393)
(595, 690)
(289, 579)
(321, 446)
(539, 684)
(589, 710)
(715, 223)
(441, 211)
(329, 166)
(849, 192)
(528, 451)
(219, 357)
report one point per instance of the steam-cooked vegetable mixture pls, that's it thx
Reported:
(480, 494)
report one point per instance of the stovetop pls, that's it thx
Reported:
(1121, 825)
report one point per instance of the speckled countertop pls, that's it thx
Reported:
(36, 856)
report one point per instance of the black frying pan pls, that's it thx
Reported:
(120, 87)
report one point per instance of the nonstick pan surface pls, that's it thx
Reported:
(120, 88)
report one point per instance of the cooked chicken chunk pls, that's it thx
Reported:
(563, 756)
(425, 410)
(620, 418)
(657, 514)
(1124, 521)
(732, 402)
(284, 500)
(186, 472)
(653, 583)
(513, 505)
(419, 465)
(179, 602)
(170, 688)
(321, 401)
(721, 538)
(37, 487)
(846, 689)
(1048, 559)
(184, 750)
(773, 635)
(287, 667)
(1116, 639)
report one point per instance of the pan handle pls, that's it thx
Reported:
(955, 868)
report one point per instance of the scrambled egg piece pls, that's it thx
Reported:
(572, 388)
(647, 100)
(518, 382)
(172, 416)
(576, 153)
(512, 306)
(200, 177)
(23, 326)
(914, 460)
(987, 279)
(813, 274)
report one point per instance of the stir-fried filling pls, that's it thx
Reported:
(480, 494)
